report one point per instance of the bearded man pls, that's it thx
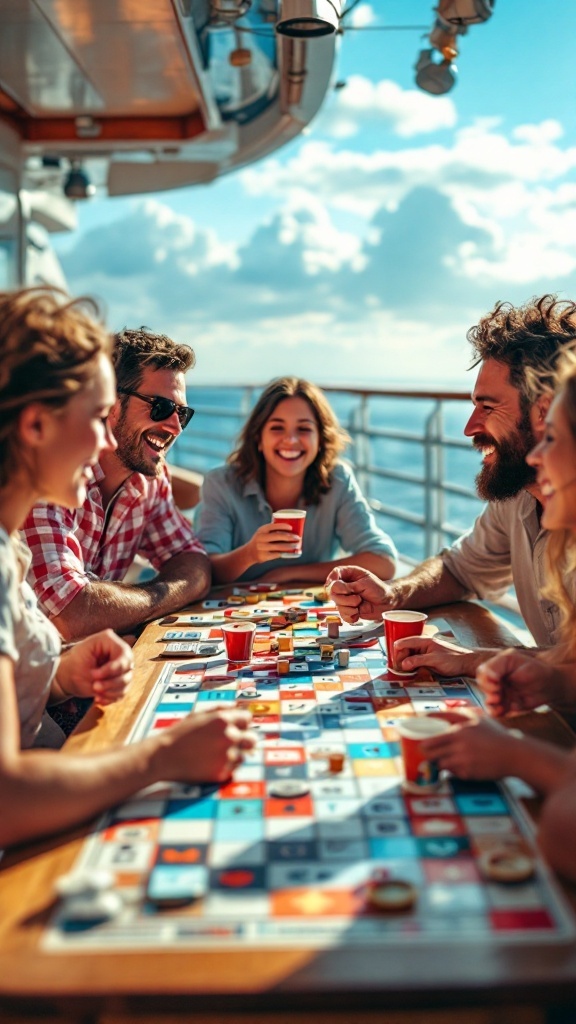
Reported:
(517, 349)
(80, 556)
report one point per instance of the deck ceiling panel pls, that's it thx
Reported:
(115, 58)
(36, 68)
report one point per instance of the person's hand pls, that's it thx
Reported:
(481, 749)
(205, 747)
(100, 666)
(358, 593)
(515, 681)
(442, 656)
(271, 541)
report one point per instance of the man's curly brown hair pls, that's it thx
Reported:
(135, 349)
(527, 339)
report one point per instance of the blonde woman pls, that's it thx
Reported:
(56, 389)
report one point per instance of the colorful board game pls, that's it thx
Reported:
(316, 823)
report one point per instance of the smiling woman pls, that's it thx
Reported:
(288, 458)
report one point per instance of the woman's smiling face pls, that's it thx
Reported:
(554, 459)
(290, 439)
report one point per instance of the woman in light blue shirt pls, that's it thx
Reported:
(288, 457)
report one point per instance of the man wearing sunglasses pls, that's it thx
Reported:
(81, 556)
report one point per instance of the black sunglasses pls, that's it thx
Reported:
(162, 408)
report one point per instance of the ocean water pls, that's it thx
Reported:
(221, 412)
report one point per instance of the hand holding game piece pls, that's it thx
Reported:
(100, 666)
(357, 593)
(204, 747)
(519, 681)
(442, 656)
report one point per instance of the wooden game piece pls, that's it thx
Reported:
(283, 666)
(285, 642)
(343, 657)
(390, 895)
(506, 864)
(333, 630)
(326, 652)
(335, 762)
(289, 788)
(253, 598)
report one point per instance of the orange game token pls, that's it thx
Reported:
(336, 763)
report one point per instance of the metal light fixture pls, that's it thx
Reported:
(452, 19)
(77, 184)
(465, 12)
(436, 78)
(306, 19)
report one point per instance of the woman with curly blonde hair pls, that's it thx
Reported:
(288, 457)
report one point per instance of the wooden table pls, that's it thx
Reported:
(337, 986)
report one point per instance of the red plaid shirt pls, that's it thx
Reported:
(72, 547)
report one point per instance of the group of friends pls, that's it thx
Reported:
(86, 422)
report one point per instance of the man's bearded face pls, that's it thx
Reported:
(508, 472)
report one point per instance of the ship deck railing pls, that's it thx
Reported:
(429, 443)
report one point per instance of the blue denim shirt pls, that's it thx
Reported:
(341, 524)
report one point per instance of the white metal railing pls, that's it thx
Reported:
(215, 427)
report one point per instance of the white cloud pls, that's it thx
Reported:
(373, 264)
(407, 112)
(361, 16)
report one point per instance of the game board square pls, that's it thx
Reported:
(382, 827)
(185, 830)
(342, 849)
(288, 851)
(442, 846)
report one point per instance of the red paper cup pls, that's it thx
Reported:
(238, 640)
(399, 624)
(294, 518)
(420, 775)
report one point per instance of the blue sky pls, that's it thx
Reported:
(362, 251)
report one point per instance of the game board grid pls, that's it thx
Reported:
(294, 871)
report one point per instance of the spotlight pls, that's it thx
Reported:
(306, 19)
(453, 17)
(434, 78)
(77, 184)
(462, 13)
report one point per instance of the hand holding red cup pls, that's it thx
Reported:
(293, 519)
(398, 624)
